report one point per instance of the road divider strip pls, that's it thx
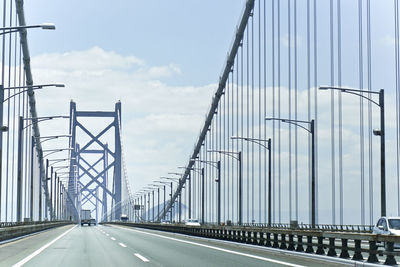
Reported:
(38, 251)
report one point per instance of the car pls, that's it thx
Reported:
(92, 221)
(192, 222)
(388, 226)
(124, 218)
(165, 222)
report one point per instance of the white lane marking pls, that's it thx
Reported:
(38, 251)
(219, 249)
(122, 245)
(141, 257)
(107, 235)
(112, 238)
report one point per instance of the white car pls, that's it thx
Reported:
(192, 222)
(388, 226)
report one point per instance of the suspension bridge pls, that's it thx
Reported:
(299, 153)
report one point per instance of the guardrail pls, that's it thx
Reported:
(322, 227)
(11, 230)
(309, 241)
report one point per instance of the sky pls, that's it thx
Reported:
(163, 60)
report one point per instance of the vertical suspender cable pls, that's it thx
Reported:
(309, 95)
(316, 107)
(339, 33)
(259, 111)
(279, 113)
(295, 115)
(290, 106)
(370, 148)
(8, 133)
(237, 105)
(265, 110)
(252, 118)
(332, 114)
(248, 118)
(361, 81)
(397, 52)
(2, 82)
(228, 147)
(273, 108)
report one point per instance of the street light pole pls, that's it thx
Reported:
(312, 132)
(31, 189)
(219, 193)
(382, 135)
(238, 157)
(380, 132)
(202, 195)
(268, 147)
(19, 178)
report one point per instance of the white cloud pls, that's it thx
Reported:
(159, 121)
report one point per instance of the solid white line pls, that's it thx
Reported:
(112, 238)
(141, 257)
(219, 249)
(37, 252)
(122, 245)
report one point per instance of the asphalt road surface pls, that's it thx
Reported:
(124, 246)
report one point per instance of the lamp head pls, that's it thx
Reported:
(48, 26)
(377, 132)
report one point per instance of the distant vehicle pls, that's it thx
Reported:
(164, 222)
(388, 226)
(93, 221)
(85, 217)
(124, 217)
(192, 222)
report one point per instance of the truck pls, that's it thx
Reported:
(85, 217)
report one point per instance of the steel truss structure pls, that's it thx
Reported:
(92, 162)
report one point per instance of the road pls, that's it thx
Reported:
(124, 246)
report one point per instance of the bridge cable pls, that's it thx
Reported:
(340, 108)
(332, 66)
(290, 105)
(273, 110)
(397, 66)
(295, 114)
(370, 147)
(361, 86)
(279, 114)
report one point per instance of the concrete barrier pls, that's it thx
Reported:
(22, 229)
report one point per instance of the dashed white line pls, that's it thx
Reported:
(122, 245)
(37, 252)
(141, 257)
(112, 238)
(107, 235)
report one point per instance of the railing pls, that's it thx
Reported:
(313, 241)
(322, 227)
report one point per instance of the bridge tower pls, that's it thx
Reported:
(95, 167)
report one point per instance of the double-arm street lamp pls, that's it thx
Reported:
(164, 184)
(267, 146)
(238, 157)
(217, 165)
(310, 130)
(379, 132)
(180, 195)
(173, 179)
